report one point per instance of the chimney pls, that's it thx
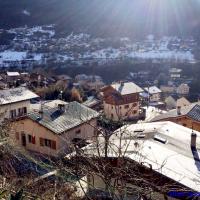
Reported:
(121, 83)
(61, 107)
(193, 140)
(178, 110)
(41, 110)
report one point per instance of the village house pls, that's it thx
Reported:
(92, 82)
(166, 151)
(53, 130)
(188, 116)
(12, 77)
(36, 106)
(153, 93)
(15, 103)
(25, 76)
(183, 89)
(175, 73)
(95, 85)
(3, 82)
(168, 89)
(121, 101)
(182, 102)
(172, 103)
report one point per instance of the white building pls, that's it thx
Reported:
(121, 101)
(183, 89)
(15, 102)
(167, 148)
(12, 76)
(175, 73)
(170, 103)
(154, 93)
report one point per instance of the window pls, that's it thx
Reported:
(41, 141)
(13, 114)
(78, 131)
(22, 111)
(31, 139)
(25, 110)
(126, 106)
(135, 111)
(48, 143)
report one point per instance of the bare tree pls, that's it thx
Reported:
(105, 161)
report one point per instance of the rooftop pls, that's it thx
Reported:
(126, 88)
(49, 104)
(192, 111)
(59, 121)
(164, 146)
(91, 101)
(13, 74)
(153, 90)
(9, 96)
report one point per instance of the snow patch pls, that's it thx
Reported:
(25, 12)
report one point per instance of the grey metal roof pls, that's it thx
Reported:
(195, 113)
(58, 122)
(192, 111)
(127, 88)
(16, 95)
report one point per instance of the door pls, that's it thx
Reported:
(23, 139)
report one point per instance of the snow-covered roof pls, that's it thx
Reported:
(144, 94)
(55, 103)
(192, 111)
(48, 104)
(91, 101)
(183, 85)
(165, 146)
(9, 96)
(126, 88)
(153, 90)
(13, 74)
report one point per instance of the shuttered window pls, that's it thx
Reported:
(41, 141)
(31, 139)
(54, 145)
(48, 143)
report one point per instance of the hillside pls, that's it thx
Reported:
(106, 17)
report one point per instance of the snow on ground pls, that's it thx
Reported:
(13, 56)
(151, 112)
(41, 30)
(25, 12)
(108, 53)
(163, 55)
(176, 55)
